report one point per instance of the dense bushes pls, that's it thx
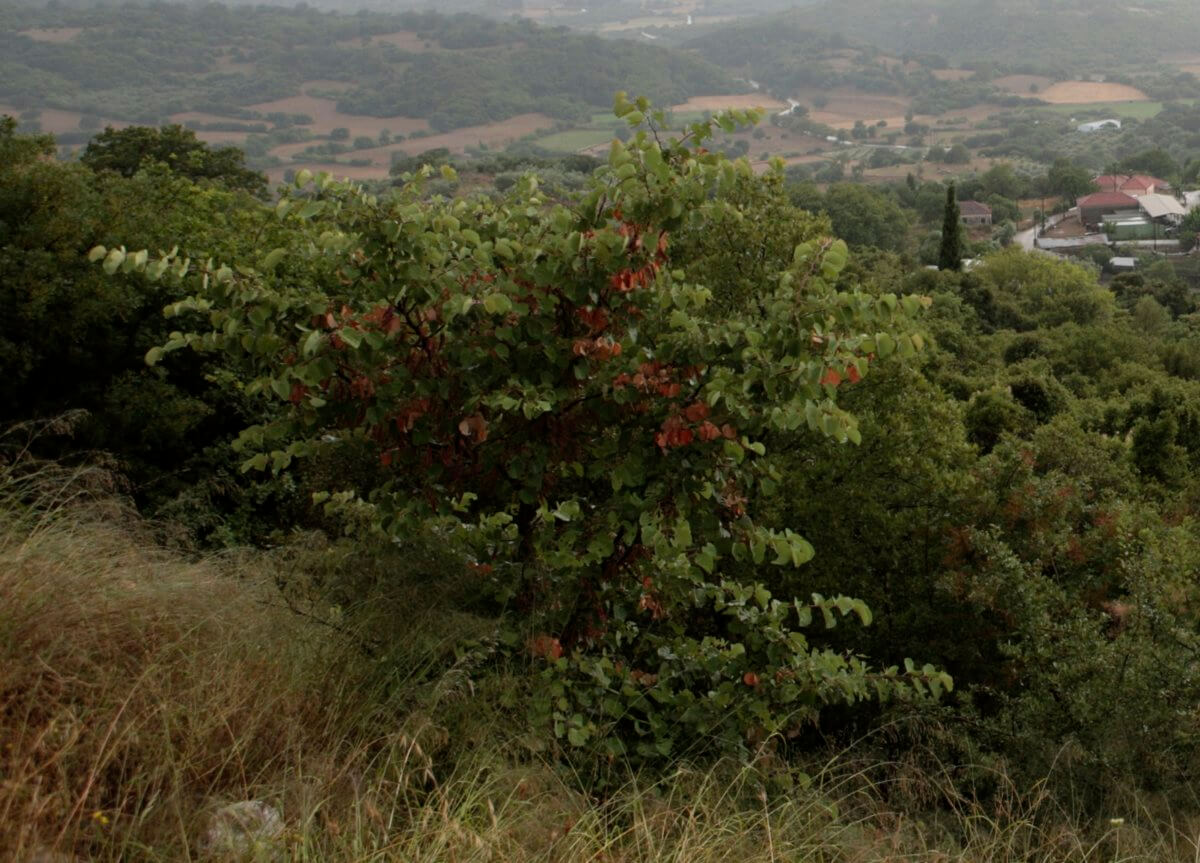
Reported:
(617, 421)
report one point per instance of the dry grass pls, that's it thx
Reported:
(139, 689)
(53, 35)
(953, 74)
(738, 101)
(1083, 92)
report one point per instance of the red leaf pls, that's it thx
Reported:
(750, 678)
(853, 374)
(546, 646)
(696, 412)
(831, 378)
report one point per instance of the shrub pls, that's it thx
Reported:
(540, 384)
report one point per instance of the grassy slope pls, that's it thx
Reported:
(139, 689)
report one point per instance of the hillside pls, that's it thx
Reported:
(452, 72)
(1074, 34)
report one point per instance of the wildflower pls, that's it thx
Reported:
(100, 818)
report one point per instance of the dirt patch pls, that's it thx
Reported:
(846, 105)
(1020, 84)
(1069, 228)
(56, 35)
(740, 101)
(326, 117)
(1082, 92)
(405, 40)
(953, 74)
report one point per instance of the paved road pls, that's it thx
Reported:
(1025, 239)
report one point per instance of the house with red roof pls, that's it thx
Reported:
(1134, 185)
(1095, 207)
(974, 213)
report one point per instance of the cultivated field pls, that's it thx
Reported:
(493, 135)
(845, 106)
(326, 116)
(54, 35)
(739, 101)
(1083, 92)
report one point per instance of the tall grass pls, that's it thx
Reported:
(141, 689)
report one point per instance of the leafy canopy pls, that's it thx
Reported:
(542, 383)
(127, 150)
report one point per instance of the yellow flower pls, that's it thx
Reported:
(100, 818)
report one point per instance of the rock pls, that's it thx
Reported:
(246, 830)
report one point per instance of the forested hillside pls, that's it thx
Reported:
(452, 71)
(1069, 34)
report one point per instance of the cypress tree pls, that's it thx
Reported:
(950, 254)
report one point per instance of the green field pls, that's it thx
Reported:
(1133, 110)
(574, 140)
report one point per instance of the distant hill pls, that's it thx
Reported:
(1054, 34)
(141, 64)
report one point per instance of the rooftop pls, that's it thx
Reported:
(1157, 206)
(1108, 199)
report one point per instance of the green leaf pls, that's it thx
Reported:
(311, 342)
(310, 209)
(497, 304)
(272, 258)
(683, 534)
